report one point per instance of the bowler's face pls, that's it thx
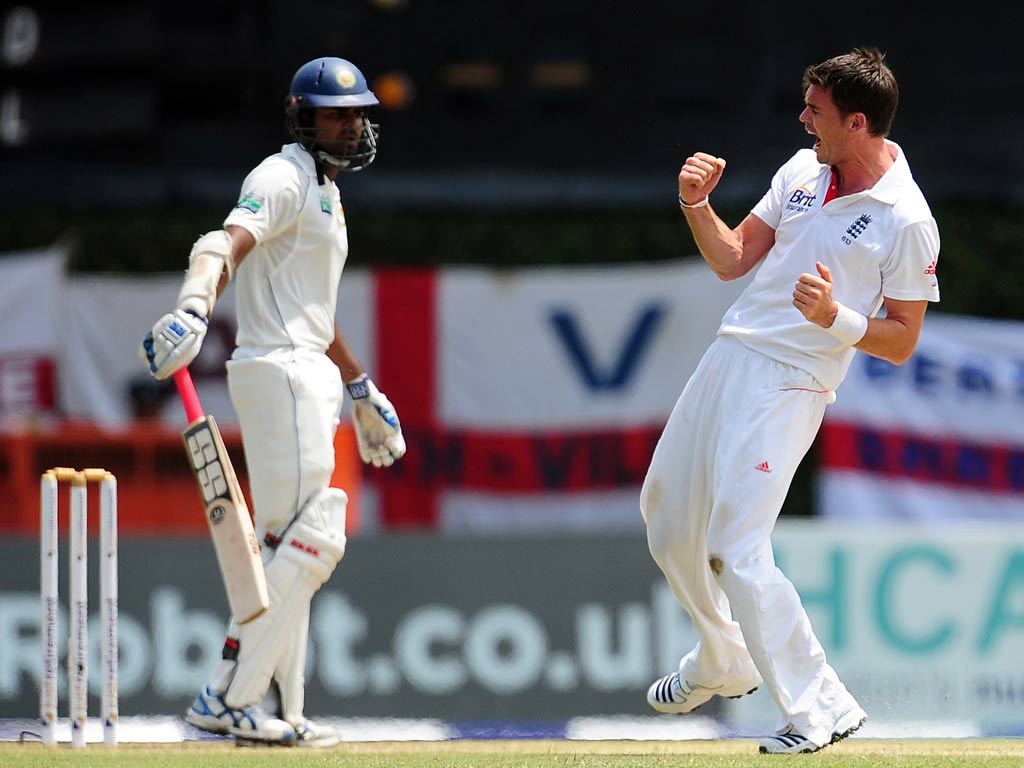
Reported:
(821, 119)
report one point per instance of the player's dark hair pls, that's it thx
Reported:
(859, 81)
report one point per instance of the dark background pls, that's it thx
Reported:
(512, 103)
(565, 121)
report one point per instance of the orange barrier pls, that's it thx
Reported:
(157, 492)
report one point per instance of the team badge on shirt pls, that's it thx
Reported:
(250, 203)
(325, 205)
(856, 229)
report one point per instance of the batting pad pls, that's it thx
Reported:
(291, 671)
(309, 551)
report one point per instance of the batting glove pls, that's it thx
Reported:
(173, 342)
(378, 431)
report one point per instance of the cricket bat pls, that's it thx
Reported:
(231, 529)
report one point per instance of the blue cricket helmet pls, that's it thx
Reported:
(330, 82)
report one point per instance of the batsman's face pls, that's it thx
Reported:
(339, 129)
(822, 119)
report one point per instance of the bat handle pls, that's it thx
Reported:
(187, 392)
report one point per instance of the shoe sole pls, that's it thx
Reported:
(245, 741)
(318, 743)
(737, 696)
(741, 695)
(837, 736)
(218, 729)
(687, 712)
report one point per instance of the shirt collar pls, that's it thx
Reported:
(888, 188)
(300, 157)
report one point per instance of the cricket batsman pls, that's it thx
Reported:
(285, 244)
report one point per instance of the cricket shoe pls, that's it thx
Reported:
(210, 713)
(673, 695)
(791, 743)
(310, 734)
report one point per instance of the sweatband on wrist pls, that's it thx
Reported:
(849, 326)
(699, 204)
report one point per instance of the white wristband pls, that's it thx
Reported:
(849, 326)
(699, 204)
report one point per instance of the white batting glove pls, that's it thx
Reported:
(378, 431)
(173, 342)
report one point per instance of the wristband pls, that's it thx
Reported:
(699, 204)
(849, 326)
(359, 387)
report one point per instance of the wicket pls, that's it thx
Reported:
(78, 636)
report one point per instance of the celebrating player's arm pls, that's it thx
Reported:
(378, 431)
(892, 338)
(731, 253)
(175, 339)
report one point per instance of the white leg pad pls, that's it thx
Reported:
(291, 672)
(305, 559)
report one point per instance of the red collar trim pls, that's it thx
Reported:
(833, 188)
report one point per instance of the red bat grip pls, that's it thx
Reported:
(189, 397)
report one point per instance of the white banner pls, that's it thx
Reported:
(543, 349)
(103, 380)
(532, 398)
(31, 294)
(940, 437)
(924, 624)
(546, 392)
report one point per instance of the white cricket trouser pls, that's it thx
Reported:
(714, 489)
(288, 404)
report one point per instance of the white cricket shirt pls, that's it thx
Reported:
(882, 242)
(287, 287)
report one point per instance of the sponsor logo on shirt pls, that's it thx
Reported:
(930, 269)
(856, 229)
(800, 200)
(250, 203)
(325, 205)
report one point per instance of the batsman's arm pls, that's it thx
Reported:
(227, 514)
(339, 353)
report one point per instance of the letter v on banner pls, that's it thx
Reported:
(617, 375)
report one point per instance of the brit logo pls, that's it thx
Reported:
(800, 200)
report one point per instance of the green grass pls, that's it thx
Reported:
(856, 753)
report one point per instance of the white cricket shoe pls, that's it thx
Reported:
(207, 711)
(673, 695)
(210, 713)
(791, 743)
(310, 734)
